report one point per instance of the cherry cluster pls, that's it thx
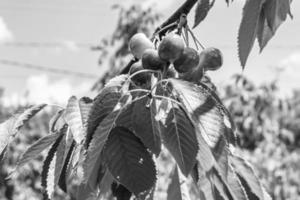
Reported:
(173, 56)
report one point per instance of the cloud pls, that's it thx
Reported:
(41, 89)
(70, 45)
(5, 33)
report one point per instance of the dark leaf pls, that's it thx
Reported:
(6, 132)
(264, 33)
(236, 185)
(48, 169)
(180, 139)
(248, 28)
(137, 118)
(93, 158)
(202, 9)
(129, 162)
(178, 188)
(54, 120)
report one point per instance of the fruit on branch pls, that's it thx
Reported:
(194, 75)
(142, 77)
(138, 44)
(211, 58)
(171, 47)
(151, 60)
(188, 60)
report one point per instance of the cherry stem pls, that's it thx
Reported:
(167, 98)
(194, 38)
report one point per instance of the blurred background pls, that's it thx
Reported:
(51, 50)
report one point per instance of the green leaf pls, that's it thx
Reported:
(137, 118)
(36, 148)
(76, 115)
(248, 28)
(93, 158)
(105, 184)
(47, 176)
(178, 188)
(180, 139)
(247, 177)
(201, 12)
(128, 161)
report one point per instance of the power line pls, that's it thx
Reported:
(48, 45)
(46, 69)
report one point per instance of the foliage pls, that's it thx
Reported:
(110, 146)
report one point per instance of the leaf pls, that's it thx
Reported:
(48, 166)
(102, 106)
(54, 120)
(137, 118)
(93, 158)
(202, 9)
(180, 139)
(76, 116)
(247, 177)
(206, 110)
(248, 28)
(128, 161)
(24, 117)
(236, 185)
(36, 148)
(178, 188)
(105, 184)
(264, 33)
(61, 170)
(6, 132)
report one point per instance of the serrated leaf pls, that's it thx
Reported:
(137, 118)
(206, 110)
(248, 28)
(247, 177)
(102, 106)
(178, 188)
(48, 187)
(236, 185)
(76, 115)
(53, 121)
(93, 158)
(128, 161)
(264, 33)
(105, 184)
(61, 169)
(202, 9)
(6, 132)
(36, 148)
(180, 139)
(24, 117)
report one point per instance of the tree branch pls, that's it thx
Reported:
(185, 8)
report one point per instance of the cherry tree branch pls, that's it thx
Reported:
(185, 8)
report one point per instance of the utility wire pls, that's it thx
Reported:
(48, 45)
(46, 69)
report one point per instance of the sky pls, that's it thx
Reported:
(70, 26)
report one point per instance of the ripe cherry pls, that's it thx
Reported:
(171, 47)
(211, 58)
(195, 75)
(188, 60)
(151, 60)
(138, 44)
(141, 77)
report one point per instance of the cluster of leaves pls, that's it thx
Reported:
(269, 133)
(113, 139)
